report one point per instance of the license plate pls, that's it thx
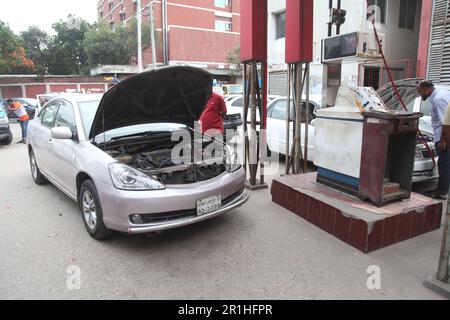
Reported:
(208, 205)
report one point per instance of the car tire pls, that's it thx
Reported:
(91, 211)
(8, 140)
(38, 177)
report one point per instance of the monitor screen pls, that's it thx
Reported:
(340, 46)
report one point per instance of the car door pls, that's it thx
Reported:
(40, 135)
(62, 152)
(276, 126)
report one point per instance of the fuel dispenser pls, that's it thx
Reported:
(365, 150)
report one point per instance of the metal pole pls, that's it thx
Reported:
(165, 32)
(139, 35)
(288, 120)
(298, 122)
(253, 143)
(152, 33)
(330, 24)
(443, 271)
(338, 26)
(244, 121)
(263, 120)
(305, 163)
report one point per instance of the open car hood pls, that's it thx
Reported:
(407, 89)
(167, 95)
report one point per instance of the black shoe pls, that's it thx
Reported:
(21, 141)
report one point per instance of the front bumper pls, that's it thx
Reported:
(425, 170)
(169, 208)
(239, 201)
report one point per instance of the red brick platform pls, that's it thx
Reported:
(360, 224)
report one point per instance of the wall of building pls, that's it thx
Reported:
(193, 38)
(29, 86)
(355, 21)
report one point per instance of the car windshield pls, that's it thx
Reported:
(2, 111)
(89, 109)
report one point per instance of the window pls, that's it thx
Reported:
(407, 18)
(372, 77)
(223, 25)
(279, 110)
(280, 25)
(222, 3)
(111, 5)
(65, 117)
(123, 16)
(239, 103)
(49, 114)
(381, 4)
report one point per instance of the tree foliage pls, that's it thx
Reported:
(76, 47)
(114, 46)
(66, 51)
(12, 54)
(36, 43)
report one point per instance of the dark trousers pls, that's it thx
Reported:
(444, 169)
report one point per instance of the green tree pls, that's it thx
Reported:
(12, 54)
(36, 43)
(104, 45)
(234, 56)
(66, 50)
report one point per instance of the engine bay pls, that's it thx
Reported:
(156, 159)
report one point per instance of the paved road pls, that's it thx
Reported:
(260, 251)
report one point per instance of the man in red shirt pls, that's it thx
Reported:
(211, 121)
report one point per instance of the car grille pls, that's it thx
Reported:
(183, 214)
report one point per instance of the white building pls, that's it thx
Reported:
(399, 24)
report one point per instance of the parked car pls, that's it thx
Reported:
(29, 104)
(235, 112)
(5, 132)
(424, 168)
(276, 126)
(113, 154)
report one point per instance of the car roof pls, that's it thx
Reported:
(80, 97)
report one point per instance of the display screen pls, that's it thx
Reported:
(341, 46)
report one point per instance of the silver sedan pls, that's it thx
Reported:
(126, 157)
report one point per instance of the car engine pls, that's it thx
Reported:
(157, 161)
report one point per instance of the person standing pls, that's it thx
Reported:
(439, 99)
(213, 116)
(22, 115)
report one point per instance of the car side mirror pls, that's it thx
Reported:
(61, 133)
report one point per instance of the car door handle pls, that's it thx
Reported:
(50, 140)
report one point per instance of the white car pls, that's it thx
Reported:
(276, 126)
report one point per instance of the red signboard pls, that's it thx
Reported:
(299, 30)
(253, 30)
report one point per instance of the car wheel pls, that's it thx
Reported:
(38, 177)
(91, 211)
(8, 140)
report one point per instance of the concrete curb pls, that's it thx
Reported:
(437, 286)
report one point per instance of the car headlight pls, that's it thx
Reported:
(232, 160)
(127, 178)
(4, 120)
